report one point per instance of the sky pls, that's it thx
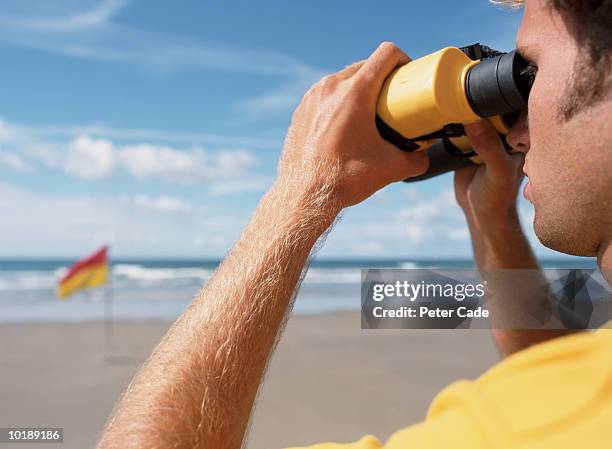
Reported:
(156, 126)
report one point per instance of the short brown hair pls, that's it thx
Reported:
(591, 25)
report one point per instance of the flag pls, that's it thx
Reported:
(86, 273)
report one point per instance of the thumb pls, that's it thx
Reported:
(405, 164)
(489, 146)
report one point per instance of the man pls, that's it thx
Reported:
(198, 387)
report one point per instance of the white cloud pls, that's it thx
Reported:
(280, 100)
(229, 164)
(141, 225)
(197, 165)
(430, 218)
(13, 162)
(431, 226)
(414, 232)
(163, 204)
(40, 135)
(459, 234)
(90, 159)
(62, 19)
(5, 133)
(51, 132)
(146, 225)
(92, 35)
(240, 185)
(148, 161)
(369, 249)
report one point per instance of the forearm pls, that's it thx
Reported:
(499, 242)
(198, 388)
(518, 298)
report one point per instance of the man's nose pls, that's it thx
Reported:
(518, 137)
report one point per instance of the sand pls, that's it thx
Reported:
(328, 381)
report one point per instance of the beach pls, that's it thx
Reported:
(329, 380)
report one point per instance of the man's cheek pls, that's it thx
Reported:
(541, 119)
(535, 160)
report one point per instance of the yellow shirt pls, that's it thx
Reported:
(555, 395)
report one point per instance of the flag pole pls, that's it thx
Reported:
(109, 321)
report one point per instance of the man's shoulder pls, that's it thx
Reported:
(538, 391)
(531, 396)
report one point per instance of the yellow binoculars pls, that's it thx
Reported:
(424, 104)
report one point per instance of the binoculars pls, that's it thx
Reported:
(425, 104)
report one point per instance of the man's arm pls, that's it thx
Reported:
(198, 387)
(487, 194)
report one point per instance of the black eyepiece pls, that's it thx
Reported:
(499, 85)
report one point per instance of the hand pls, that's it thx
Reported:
(488, 191)
(333, 140)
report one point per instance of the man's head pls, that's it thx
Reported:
(568, 133)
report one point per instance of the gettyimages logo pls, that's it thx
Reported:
(503, 299)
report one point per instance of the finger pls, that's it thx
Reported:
(404, 164)
(489, 146)
(518, 161)
(462, 179)
(350, 70)
(464, 176)
(380, 63)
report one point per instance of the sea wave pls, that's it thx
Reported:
(333, 276)
(136, 272)
(122, 275)
(126, 275)
(408, 265)
(30, 280)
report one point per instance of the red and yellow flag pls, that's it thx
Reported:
(86, 273)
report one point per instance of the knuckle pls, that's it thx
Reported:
(327, 80)
(313, 88)
(308, 95)
(358, 89)
(326, 84)
(354, 65)
(388, 48)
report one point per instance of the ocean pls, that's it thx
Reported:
(162, 289)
